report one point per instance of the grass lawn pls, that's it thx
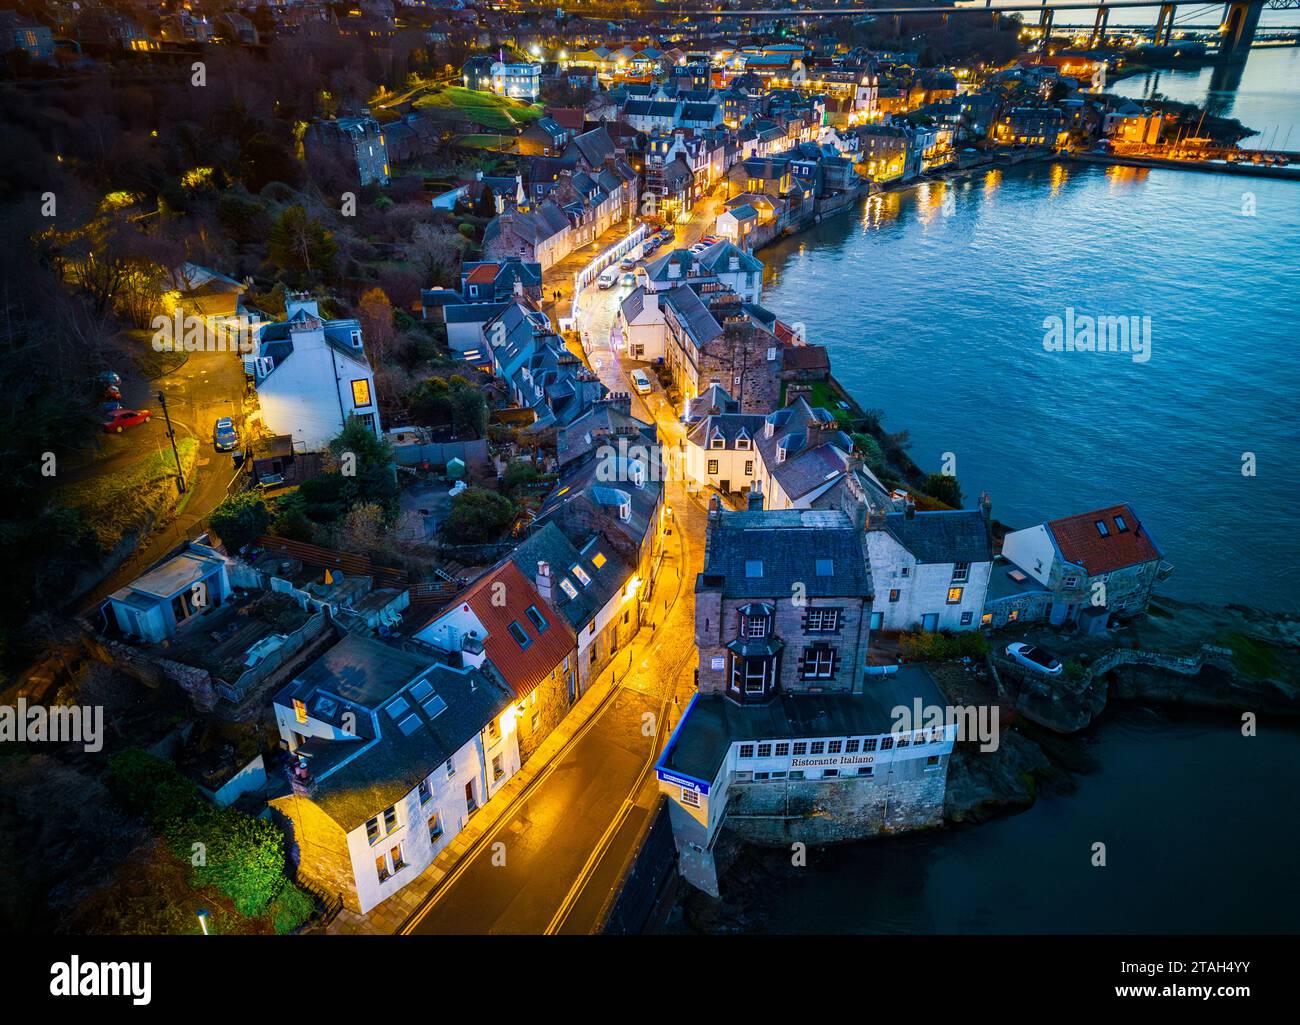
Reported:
(115, 505)
(484, 109)
(1253, 658)
(492, 142)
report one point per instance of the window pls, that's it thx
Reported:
(954, 595)
(536, 721)
(435, 827)
(372, 830)
(886, 743)
(905, 741)
(713, 466)
(426, 792)
(520, 635)
(818, 663)
(834, 747)
(396, 854)
(749, 467)
(782, 750)
(690, 798)
(987, 618)
(1102, 529)
(822, 621)
(761, 777)
(1120, 525)
(817, 747)
(451, 769)
(756, 626)
(361, 392)
(746, 750)
(753, 568)
(717, 442)
(869, 744)
(581, 574)
(865, 770)
(932, 761)
(764, 750)
(390, 819)
(498, 770)
(796, 773)
(893, 594)
(1071, 581)
(801, 748)
(381, 867)
(537, 619)
(598, 560)
(851, 746)
(966, 618)
(830, 773)
(906, 572)
(824, 567)
(1013, 615)
(960, 572)
(566, 585)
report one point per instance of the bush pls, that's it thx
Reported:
(240, 520)
(152, 787)
(290, 909)
(944, 487)
(478, 515)
(920, 646)
(244, 857)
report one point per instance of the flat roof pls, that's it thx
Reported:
(713, 723)
(172, 576)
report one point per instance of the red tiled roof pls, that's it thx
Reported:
(1082, 543)
(572, 118)
(523, 669)
(483, 274)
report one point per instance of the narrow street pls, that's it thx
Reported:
(556, 858)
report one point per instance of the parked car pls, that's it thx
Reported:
(1033, 658)
(110, 379)
(224, 438)
(112, 393)
(666, 235)
(627, 263)
(608, 278)
(120, 419)
(710, 240)
(698, 248)
(640, 382)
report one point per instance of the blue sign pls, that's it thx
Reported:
(682, 781)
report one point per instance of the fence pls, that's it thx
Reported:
(472, 453)
(257, 674)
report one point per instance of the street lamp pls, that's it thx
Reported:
(203, 920)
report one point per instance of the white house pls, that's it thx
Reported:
(642, 326)
(519, 81)
(390, 756)
(311, 375)
(931, 569)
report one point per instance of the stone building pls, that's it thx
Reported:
(354, 146)
(793, 736)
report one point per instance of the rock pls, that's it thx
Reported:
(1058, 702)
(982, 784)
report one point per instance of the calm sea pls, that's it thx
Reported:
(937, 319)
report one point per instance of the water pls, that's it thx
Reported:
(1261, 94)
(939, 321)
(1188, 849)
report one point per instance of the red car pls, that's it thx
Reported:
(123, 418)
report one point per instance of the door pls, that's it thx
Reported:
(930, 622)
(877, 620)
(471, 805)
(724, 486)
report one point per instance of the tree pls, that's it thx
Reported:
(486, 205)
(300, 242)
(453, 403)
(478, 515)
(375, 313)
(944, 487)
(365, 464)
(240, 520)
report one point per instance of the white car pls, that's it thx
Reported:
(1033, 658)
(640, 382)
(608, 278)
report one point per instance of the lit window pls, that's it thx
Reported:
(566, 585)
(893, 594)
(361, 393)
(987, 618)
(426, 792)
(954, 595)
(713, 466)
(581, 574)
(598, 560)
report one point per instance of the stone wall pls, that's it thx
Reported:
(834, 811)
(318, 846)
(551, 706)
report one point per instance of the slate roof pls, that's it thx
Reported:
(942, 536)
(549, 544)
(1081, 543)
(713, 722)
(603, 421)
(357, 778)
(693, 315)
(784, 546)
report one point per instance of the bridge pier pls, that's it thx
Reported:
(1164, 25)
(1045, 23)
(1239, 23)
(1099, 27)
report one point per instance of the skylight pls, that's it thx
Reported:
(520, 635)
(410, 724)
(581, 574)
(753, 567)
(537, 619)
(566, 585)
(825, 567)
(434, 706)
(598, 560)
(398, 707)
(421, 690)
(1102, 529)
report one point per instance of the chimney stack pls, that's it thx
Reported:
(754, 501)
(544, 580)
(909, 508)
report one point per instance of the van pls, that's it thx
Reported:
(640, 382)
(608, 278)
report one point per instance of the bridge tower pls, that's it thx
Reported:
(1240, 20)
(1164, 25)
(1045, 23)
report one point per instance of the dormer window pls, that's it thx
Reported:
(780, 454)
(742, 442)
(717, 441)
(356, 339)
(636, 472)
